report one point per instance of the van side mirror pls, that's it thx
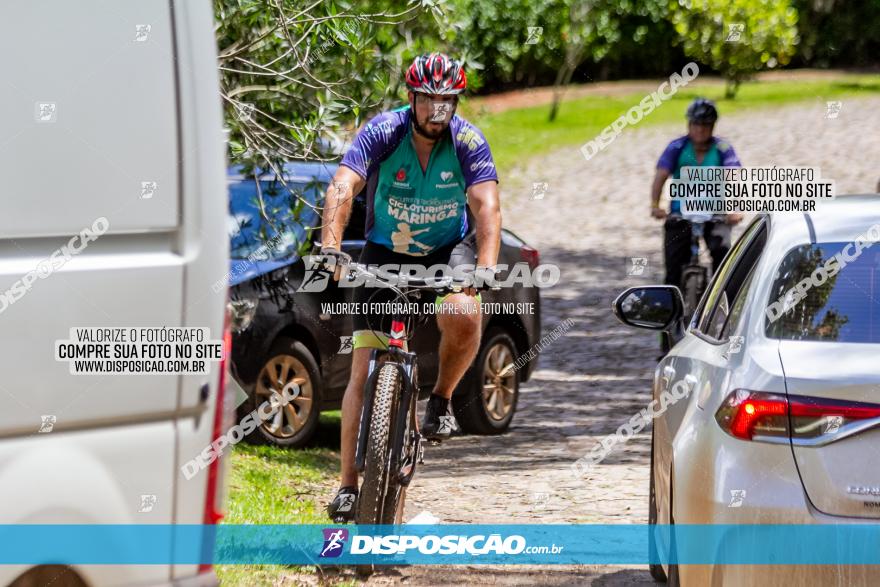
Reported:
(655, 307)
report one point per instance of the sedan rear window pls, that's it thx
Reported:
(827, 292)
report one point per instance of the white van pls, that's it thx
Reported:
(114, 207)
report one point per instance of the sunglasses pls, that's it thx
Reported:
(428, 99)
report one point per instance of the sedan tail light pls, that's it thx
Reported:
(529, 255)
(772, 417)
(746, 414)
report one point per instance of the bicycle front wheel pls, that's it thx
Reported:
(381, 498)
(693, 284)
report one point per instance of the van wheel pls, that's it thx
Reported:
(289, 363)
(486, 398)
(56, 575)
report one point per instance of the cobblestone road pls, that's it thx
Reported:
(590, 221)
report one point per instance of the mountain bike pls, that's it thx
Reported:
(389, 444)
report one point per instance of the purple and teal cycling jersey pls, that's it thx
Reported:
(680, 153)
(411, 211)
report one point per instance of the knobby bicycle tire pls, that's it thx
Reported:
(395, 496)
(692, 288)
(377, 483)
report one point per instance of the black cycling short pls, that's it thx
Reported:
(370, 329)
(677, 245)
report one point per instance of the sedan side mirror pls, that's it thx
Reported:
(655, 307)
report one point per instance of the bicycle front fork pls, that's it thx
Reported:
(404, 362)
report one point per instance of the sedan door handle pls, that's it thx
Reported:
(668, 375)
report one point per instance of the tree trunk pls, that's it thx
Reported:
(563, 78)
(732, 87)
(558, 89)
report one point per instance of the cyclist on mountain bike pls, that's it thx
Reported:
(421, 165)
(698, 148)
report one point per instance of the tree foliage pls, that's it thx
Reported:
(737, 37)
(593, 29)
(292, 75)
(838, 32)
(296, 76)
(518, 42)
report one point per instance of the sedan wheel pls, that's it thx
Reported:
(285, 373)
(290, 369)
(499, 382)
(485, 400)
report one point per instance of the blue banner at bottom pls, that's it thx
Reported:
(844, 544)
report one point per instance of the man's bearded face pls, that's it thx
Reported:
(433, 113)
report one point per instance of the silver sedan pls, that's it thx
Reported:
(770, 396)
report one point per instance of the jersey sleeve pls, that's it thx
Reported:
(669, 159)
(728, 155)
(473, 153)
(375, 141)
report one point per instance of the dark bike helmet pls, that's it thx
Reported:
(702, 111)
(436, 73)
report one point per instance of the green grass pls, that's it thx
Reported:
(519, 134)
(269, 485)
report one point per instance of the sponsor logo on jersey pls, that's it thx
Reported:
(400, 180)
(469, 137)
(446, 176)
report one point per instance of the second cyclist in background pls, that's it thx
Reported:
(698, 148)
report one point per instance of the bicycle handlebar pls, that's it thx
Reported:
(693, 218)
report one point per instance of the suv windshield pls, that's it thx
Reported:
(256, 239)
(845, 308)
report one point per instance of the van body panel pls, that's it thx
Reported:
(90, 477)
(135, 136)
(90, 111)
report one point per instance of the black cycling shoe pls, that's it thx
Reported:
(341, 509)
(438, 424)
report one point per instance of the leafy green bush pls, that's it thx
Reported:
(737, 37)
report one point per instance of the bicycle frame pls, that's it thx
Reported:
(694, 271)
(406, 363)
(696, 233)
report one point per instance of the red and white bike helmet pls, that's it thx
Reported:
(436, 73)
